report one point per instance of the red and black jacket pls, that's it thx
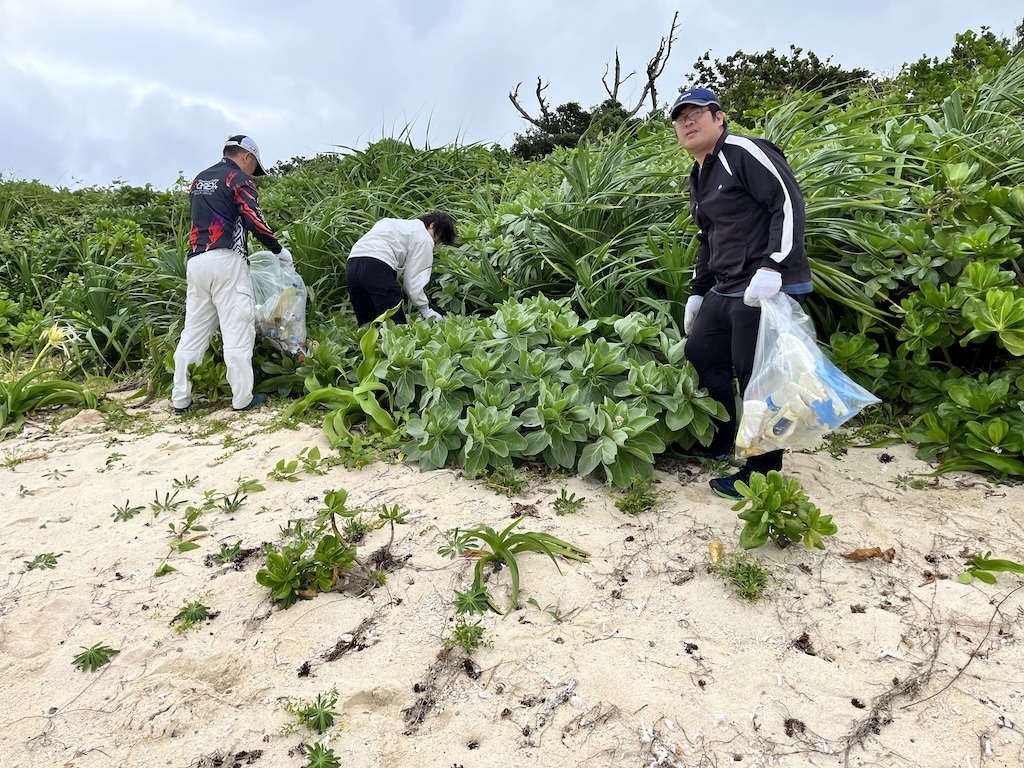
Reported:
(225, 207)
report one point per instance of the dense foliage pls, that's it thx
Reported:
(746, 81)
(564, 295)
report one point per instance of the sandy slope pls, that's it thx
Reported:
(643, 657)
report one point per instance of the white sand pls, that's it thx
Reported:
(653, 661)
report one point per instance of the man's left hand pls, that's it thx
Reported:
(285, 256)
(763, 285)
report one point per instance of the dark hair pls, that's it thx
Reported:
(444, 225)
(233, 151)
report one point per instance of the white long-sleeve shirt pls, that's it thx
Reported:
(407, 247)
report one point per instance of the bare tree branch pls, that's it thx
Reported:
(514, 98)
(655, 68)
(540, 98)
(613, 93)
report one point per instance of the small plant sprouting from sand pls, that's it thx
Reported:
(359, 449)
(188, 525)
(293, 573)
(248, 485)
(125, 512)
(504, 480)
(191, 614)
(567, 504)
(320, 756)
(780, 511)
(639, 496)
(169, 503)
(468, 636)
(355, 529)
(285, 471)
(312, 464)
(44, 562)
(837, 444)
(188, 482)
(228, 553)
(231, 504)
(178, 542)
(552, 610)
(489, 546)
(392, 516)
(94, 657)
(904, 481)
(111, 460)
(11, 459)
(748, 576)
(317, 716)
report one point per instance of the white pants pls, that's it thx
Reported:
(219, 293)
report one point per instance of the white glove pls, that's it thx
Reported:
(763, 285)
(429, 314)
(690, 313)
(285, 256)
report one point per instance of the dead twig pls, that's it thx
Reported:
(880, 713)
(988, 631)
(545, 714)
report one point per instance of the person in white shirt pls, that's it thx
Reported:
(393, 248)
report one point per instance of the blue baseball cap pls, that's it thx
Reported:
(700, 97)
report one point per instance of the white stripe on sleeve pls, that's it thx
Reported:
(786, 245)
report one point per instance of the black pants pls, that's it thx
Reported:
(373, 288)
(720, 346)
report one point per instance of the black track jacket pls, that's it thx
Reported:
(750, 211)
(225, 206)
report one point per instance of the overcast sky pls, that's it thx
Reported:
(93, 91)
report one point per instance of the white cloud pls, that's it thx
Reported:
(85, 86)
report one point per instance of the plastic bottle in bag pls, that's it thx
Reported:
(784, 418)
(281, 308)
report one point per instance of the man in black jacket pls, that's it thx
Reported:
(225, 209)
(750, 213)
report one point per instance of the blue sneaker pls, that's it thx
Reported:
(726, 486)
(256, 402)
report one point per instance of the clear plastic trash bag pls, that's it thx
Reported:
(795, 394)
(280, 297)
